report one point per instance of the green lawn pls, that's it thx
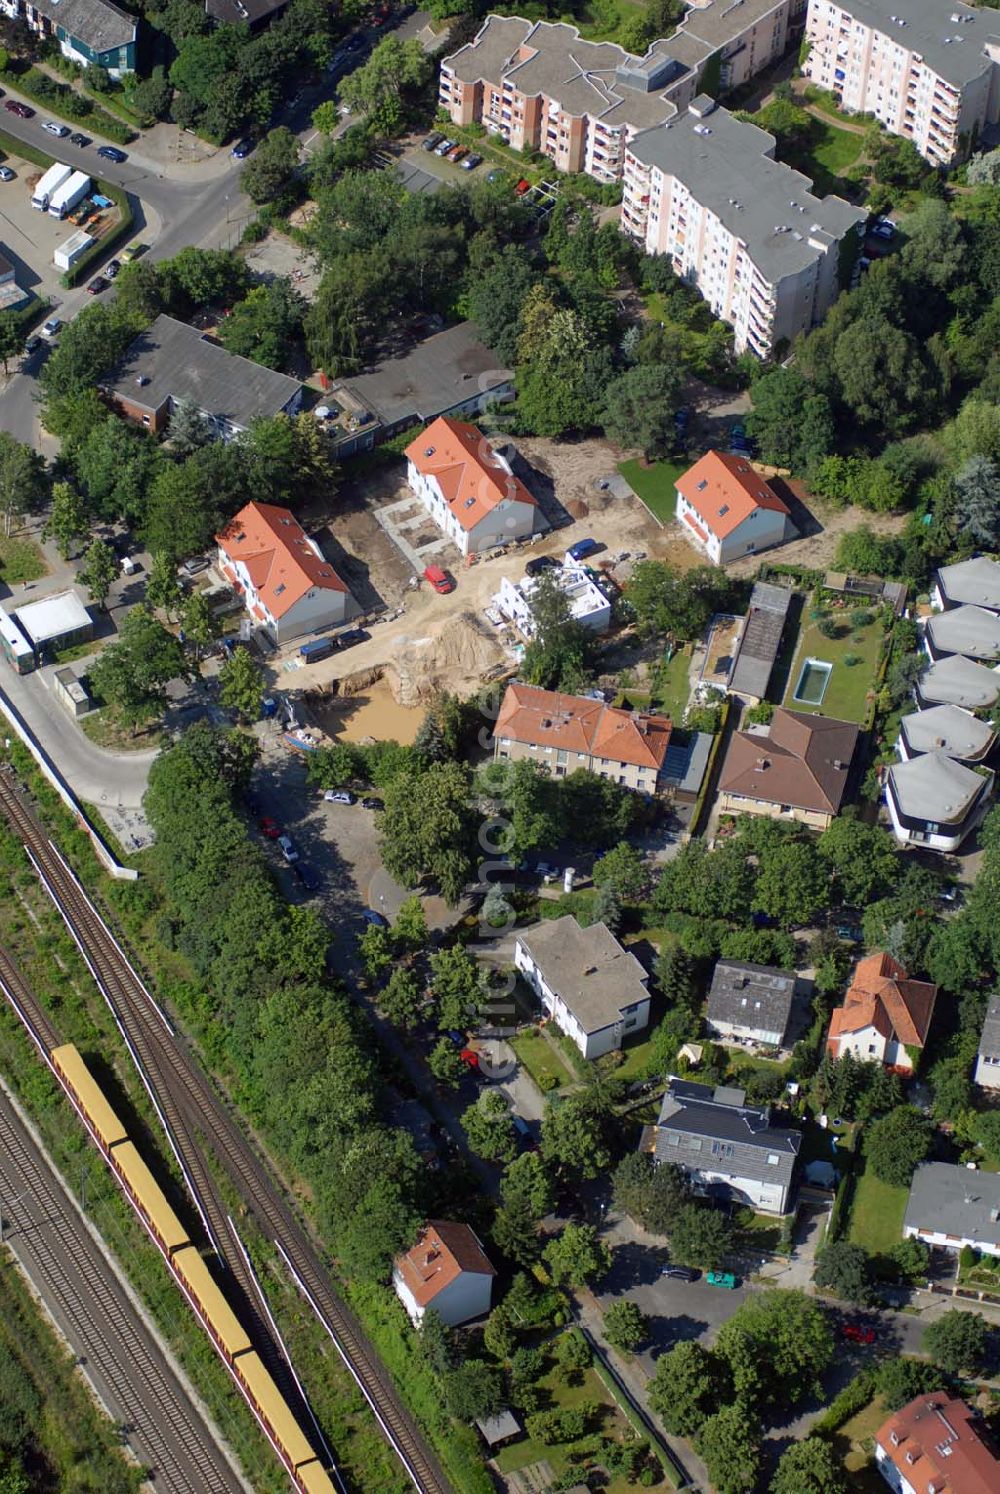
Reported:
(21, 560)
(854, 1444)
(847, 690)
(877, 1214)
(602, 20)
(832, 152)
(542, 1061)
(654, 485)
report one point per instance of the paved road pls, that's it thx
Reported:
(124, 1361)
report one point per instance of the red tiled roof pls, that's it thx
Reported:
(280, 561)
(472, 479)
(937, 1447)
(444, 1250)
(725, 490)
(576, 724)
(882, 996)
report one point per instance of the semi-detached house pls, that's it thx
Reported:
(287, 585)
(592, 989)
(468, 488)
(568, 732)
(727, 509)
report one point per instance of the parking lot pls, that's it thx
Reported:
(29, 238)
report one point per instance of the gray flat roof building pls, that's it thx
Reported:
(760, 640)
(950, 37)
(55, 617)
(752, 999)
(975, 581)
(954, 1206)
(971, 631)
(594, 976)
(948, 729)
(959, 681)
(935, 788)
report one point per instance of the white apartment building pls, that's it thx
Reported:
(587, 602)
(540, 85)
(928, 69)
(592, 989)
(767, 255)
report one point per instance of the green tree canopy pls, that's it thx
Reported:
(132, 673)
(809, 1467)
(846, 1270)
(688, 1384)
(729, 1442)
(957, 1341)
(241, 684)
(427, 832)
(489, 1127)
(576, 1256)
(777, 1346)
(896, 1143)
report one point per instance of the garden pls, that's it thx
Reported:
(653, 483)
(835, 663)
(877, 1211)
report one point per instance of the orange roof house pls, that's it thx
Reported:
(885, 1015)
(572, 731)
(727, 509)
(287, 584)
(469, 488)
(447, 1269)
(935, 1445)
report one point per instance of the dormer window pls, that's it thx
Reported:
(429, 452)
(279, 588)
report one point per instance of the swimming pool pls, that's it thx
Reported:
(814, 676)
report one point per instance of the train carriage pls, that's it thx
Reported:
(148, 1197)
(274, 1411)
(313, 1478)
(101, 1120)
(224, 1325)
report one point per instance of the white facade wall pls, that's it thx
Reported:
(321, 607)
(769, 1198)
(760, 530)
(867, 1044)
(591, 1045)
(509, 520)
(950, 1242)
(987, 1074)
(588, 604)
(891, 1473)
(737, 1033)
(463, 1299)
(931, 836)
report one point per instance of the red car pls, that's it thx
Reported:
(439, 579)
(522, 187)
(269, 827)
(858, 1333)
(23, 111)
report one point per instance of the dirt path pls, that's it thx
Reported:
(816, 551)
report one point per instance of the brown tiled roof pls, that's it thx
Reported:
(444, 1249)
(881, 995)
(725, 490)
(576, 724)
(803, 761)
(936, 1445)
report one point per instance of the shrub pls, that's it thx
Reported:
(851, 660)
(859, 617)
(829, 627)
(968, 1258)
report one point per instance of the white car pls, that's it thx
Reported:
(52, 327)
(288, 848)
(6, 175)
(339, 796)
(60, 131)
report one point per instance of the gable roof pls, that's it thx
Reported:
(472, 477)
(444, 1250)
(971, 631)
(975, 581)
(740, 1137)
(100, 25)
(989, 1038)
(575, 723)
(587, 968)
(881, 995)
(800, 760)
(748, 995)
(760, 639)
(724, 490)
(283, 564)
(937, 1446)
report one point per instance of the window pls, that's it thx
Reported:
(772, 1159)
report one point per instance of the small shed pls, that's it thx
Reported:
(16, 648)
(498, 1429)
(59, 621)
(75, 247)
(71, 692)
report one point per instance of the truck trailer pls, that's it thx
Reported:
(66, 197)
(53, 179)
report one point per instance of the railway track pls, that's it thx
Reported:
(192, 1105)
(81, 1289)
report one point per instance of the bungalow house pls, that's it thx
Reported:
(936, 1445)
(288, 588)
(567, 732)
(796, 768)
(952, 1206)
(987, 1070)
(468, 488)
(727, 1149)
(973, 632)
(448, 1270)
(759, 642)
(935, 802)
(750, 1003)
(727, 509)
(90, 32)
(972, 583)
(884, 1016)
(593, 990)
(958, 681)
(948, 729)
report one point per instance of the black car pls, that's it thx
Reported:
(112, 153)
(242, 149)
(111, 268)
(309, 878)
(541, 563)
(372, 804)
(77, 138)
(432, 141)
(679, 1273)
(351, 637)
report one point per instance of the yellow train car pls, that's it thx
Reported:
(313, 1478)
(225, 1326)
(149, 1198)
(274, 1410)
(85, 1089)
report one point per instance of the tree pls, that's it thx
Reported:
(573, 1352)
(401, 999)
(99, 571)
(497, 911)
(489, 1127)
(455, 986)
(241, 684)
(862, 552)
(437, 1340)
(381, 89)
(474, 1390)
(577, 1257)
(809, 1467)
(116, 466)
(977, 500)
(427, 831)
(409, 927)
(68, 519)
(792, 424)
(560, 648)
(446, 1063)
(957, 1341)
(22, 480)
(189, 428)
(526, 1182)
(699, 1236)
(624, 869)
(900, 1380)
(375, 949)
(608, 908)
(687, 1384)
(162, 588)
(88, 346)
(845, 1270)
(729, 1442)
(896, 1143)
(573, 1136)
(11, 339)
(198, 626)
(792, 883)
(777, 1346)
(675, 976)
(640, 405)
(911, 1257)
(625, 1325)
(265, 325)
(862, 857)
(651, 1193)
(272, 166)
(153, 95)
(132, 673)
(674, 604)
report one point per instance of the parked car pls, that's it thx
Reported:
(950, 894)
(80, 139)
(471, 162)
(883, 228)
(242, 149)
(269, 827)
(457, 152)
(539, 563)
(682, 419)
(522, 187)
(546, 869)
(58, 130)
(372, 803)
(848, 931)
(351, 637)
(376, 920)
(32, 345)
(133, 251)
(194, 565)
(439, 579)
(112, 267)
(340, 796)
(23, 111)
(96, 285)
(288, 849)
(445, 146)
(309, 878)
(858, 1333)
(721, 1279)
(583, 548)
(52, 327)
(112, 153)
(679, 1273)
(6, 175)
(432, 141)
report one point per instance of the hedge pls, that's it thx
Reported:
(855, 1394)
(106, 241)
(66, 103)
(11, 146)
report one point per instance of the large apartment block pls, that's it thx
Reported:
(928, 69)
(539, 85)
(742, 228)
